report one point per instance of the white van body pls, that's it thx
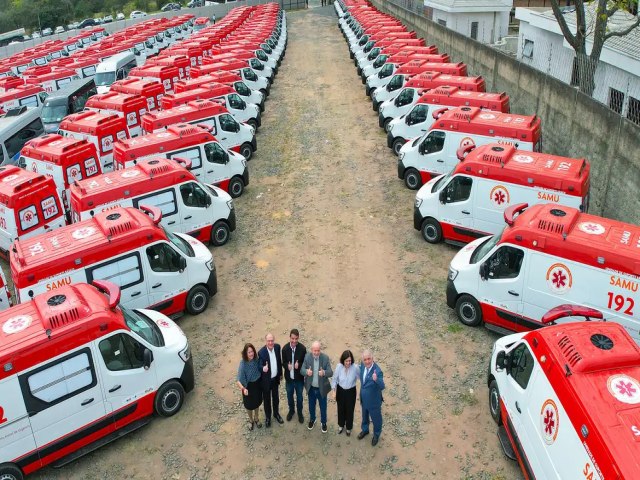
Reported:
(17, 127)
(116, 67)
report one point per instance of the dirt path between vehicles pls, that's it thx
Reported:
(325, 243)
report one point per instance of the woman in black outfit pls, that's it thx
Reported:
(343, 384)
(249, 375)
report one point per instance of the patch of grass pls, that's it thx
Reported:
(455, 328)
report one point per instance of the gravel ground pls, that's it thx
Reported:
(325, 243)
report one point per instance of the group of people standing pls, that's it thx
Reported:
(260, 374)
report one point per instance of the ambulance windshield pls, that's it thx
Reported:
(484, 248)
(143, 326)
(181, 244)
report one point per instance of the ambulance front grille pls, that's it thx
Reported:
(64, 318)
(569, 351)
(120, 228)
(551, 226)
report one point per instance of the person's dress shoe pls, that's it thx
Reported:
(267, 423)
(348, 433)
(361, 435)
(340, 430)
(301, 418)
(289, 416)
(278, 418)
(374, 440)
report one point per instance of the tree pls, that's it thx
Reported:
(592, 22)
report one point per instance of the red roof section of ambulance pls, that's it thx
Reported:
(189, 113)
(90, 122)
(54, 148)
(16, 183)
(433, 79)
(117, 101)
(447, 95)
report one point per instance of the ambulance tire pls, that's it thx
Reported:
(412, 179)
(236, 187)
(468, 310)
(169, 399)
(398, 143)
(386, 123)
(246, 150)
(9, 471)
(220, 233)
(494, 402)
(197, 300)
(431, 230)
(254, 123)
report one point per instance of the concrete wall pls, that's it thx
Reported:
(573, 124)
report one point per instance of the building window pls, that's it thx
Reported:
(633, 111)
(527, 48)
(474, 30)
(616, 100)
(442, 22)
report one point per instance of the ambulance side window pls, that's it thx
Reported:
(193, 195)
(458, 189)
(433, 143)
(57, 381)
(31, 101)
(163, 258)
(228, 123)
(164, 200)
(521, 365)
(28, 218)
(124, 271)
(215, 153)
(192, 154)
(505, 263)
(121, 352)
(418, 115)
(74, 173)
(405, 97)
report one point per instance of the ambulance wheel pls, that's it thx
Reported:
(468, 311)
(398, 143)
(236, 187)
(431, 230)
(197, 300)
(10, 472)
(494, 402)
(412, 179)
(220, 233)
(254, 123)
(169, 399)
(246, 150)
(387, 121)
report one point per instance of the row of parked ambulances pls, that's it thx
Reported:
(565, 396)
(88, 352)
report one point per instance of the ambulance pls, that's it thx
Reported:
(547, 254)
(29, 205)
(181, 62)
(154, 268)
(152, 90)
(188, 206)
(131, 107)
(469, 202)
(251, 78)
(66, 160)
(242, 111)
(51, 79)
(566, 397)
(167, 75)
(362, 50)
(79, 371)
(456, 132)
(420, 116)
(231, 134)
(210, 162)
(398, 55)
(401, 64)
(228, 78)
(103, 130)
(23, 96)
(259, 67)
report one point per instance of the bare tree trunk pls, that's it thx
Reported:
(586, 73)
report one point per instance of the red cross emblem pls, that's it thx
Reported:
(549, 422)
(499, 197)
(559, 279)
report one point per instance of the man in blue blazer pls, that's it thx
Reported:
(271, 364)
(371, 386)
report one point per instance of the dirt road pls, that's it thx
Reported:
(325, 243)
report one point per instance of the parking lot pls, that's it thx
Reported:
(325, 243)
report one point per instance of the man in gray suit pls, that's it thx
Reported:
(317, 370)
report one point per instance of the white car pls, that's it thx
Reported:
(137, 14)
(59, 29)
(46, 32)
(120, 16)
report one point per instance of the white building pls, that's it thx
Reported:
(484, 20)
(617, 79)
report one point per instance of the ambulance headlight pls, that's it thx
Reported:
(391, 126)
(453, 273)
(401, 156)
(252, 130)
(418, 202)
(185, 354)
(230, 204)
(244, 162)
(210, 265)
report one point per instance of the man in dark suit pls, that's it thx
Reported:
(293, 354)
(271, 362)
(371, 386)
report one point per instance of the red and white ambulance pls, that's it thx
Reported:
(23, 96)
(399, 53)
(417, 119)
(152, 90)
(181, 62)
(456, 132)
(65, 159)
(249, 76)
(227, 78)
(469, 202)
(80, 371)
(566, 399)
(547, 254)
(154, 268)
(29, 205)
(210, 162)
(10, 82)
(231, 134)
(129, 106)
(188, 206)
(103, 130)
(51, 79)
(167, 75)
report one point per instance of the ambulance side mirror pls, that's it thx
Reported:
(147, 358)
(484, 271)
(443, 196)
(502, 361)
(182, 263)
(207, 202)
